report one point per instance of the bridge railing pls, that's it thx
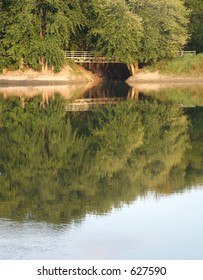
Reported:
(87, 57)
(71, 54)
(182, 53)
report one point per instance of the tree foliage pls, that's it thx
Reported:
(164, 27)
(196, 24)
(117, 30)
(35, 32)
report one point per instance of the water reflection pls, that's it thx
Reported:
(107, 90)
(181, 94)
(67, 91)
(58, 166)
(185, 95)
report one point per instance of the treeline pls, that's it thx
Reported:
(34, 33)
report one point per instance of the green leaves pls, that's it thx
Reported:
(195, 24)
(36, 32)
(117, 30)
(164, 27)
(130, 31)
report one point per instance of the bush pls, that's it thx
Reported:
(188, 64)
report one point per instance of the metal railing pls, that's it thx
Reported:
(87, 57)
(182, 53)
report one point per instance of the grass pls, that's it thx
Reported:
(75, 68)
(186, 65)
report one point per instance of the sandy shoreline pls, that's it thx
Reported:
(67, 83)
(30, 77)
(81, 75)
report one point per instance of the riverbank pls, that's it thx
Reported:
(186, 69)
(145, 76)
(70, 83)
(68, 75)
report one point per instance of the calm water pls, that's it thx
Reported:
(117, 181)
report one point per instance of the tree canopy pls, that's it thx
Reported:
(117, 31)
(34, 33)
(164, 23)
(196, 24)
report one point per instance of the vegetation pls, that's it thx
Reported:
(34, 33)
(188, 64)
(196, 25)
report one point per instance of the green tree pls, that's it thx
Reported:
(164, 27)
(131, 32)
(80, 39)
(117, 31)
(36, 32)
(196, 24)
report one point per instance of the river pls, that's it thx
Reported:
(111, 172)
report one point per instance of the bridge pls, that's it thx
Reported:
(182, 53)
(87, 57)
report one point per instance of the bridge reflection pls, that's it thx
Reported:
(85, 104)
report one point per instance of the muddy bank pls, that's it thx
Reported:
(30, 77)
(69, 83)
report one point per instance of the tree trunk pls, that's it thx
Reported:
(45, 67)
(44, 64)
(133, 68)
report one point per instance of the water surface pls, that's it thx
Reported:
(119, 181)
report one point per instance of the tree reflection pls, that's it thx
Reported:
(194, 157)
(57, 166)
